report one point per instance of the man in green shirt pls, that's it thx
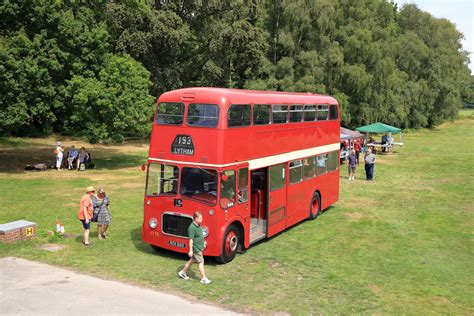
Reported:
(196, 247)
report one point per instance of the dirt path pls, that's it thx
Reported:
(28, 287)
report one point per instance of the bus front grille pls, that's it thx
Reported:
(176, 225)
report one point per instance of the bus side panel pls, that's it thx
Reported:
(299, 197)
(330, 193)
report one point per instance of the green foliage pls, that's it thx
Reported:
(399, 66)
(113, 105)
(51, 49)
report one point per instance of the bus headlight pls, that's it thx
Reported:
(153, 223)
(205, 231)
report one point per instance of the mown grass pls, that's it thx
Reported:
(402, 244)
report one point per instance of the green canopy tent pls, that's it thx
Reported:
(380, 128)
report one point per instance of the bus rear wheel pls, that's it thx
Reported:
(315, 206)
(230, 244)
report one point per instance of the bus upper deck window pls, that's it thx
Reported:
(310, 113)
(296, 113)
(280, 114)
(204, 115)
(333, 112)
(170, 113)
(238, 115)
(323, 112)
(261, 114)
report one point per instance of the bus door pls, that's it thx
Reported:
(276, 199)
(234, 198)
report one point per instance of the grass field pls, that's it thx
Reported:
(402, 244)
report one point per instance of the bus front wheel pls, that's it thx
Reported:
(315, 206)
(230, 244)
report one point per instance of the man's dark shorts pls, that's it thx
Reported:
(86, 225)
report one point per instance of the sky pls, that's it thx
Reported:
(460, 12)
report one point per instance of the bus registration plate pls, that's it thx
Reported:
(183, 145)
(176, 244)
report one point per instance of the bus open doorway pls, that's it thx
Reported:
(268, 205)
(259, 205)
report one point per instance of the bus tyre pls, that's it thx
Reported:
(315, 206)
(230, 244)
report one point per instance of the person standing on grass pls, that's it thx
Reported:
(369, 164)
(101, 206)
(196, 247)
(357, 149)
(85, 213)
(58, 152)
(351, 164)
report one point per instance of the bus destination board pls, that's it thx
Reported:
(183, 145)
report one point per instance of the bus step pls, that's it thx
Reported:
(258, 225)
(256, 236)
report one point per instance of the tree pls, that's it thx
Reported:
(113, 105)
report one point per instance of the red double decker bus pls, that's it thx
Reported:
(252, 162)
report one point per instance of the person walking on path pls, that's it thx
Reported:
(85, 213)
(58, 152)
(369, 164)
(351, 164)
(196, 247)
(101, 207)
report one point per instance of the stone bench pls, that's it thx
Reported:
(18, 230)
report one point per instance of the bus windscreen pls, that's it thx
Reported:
(199, 184)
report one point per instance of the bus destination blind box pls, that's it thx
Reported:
(183, 145)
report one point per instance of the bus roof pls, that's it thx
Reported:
(188, 94)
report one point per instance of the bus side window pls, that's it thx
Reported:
(261, 114)
(296, 171)
(333, 112)
(332, 161)
(242, 194)
(228, 189)
(322, 112)
(321, 162)
(279, 114)
(296, 113)
(308, 167)
(310, 113)
(277, 177)
(238, 115)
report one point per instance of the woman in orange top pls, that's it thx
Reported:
(85, 213)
